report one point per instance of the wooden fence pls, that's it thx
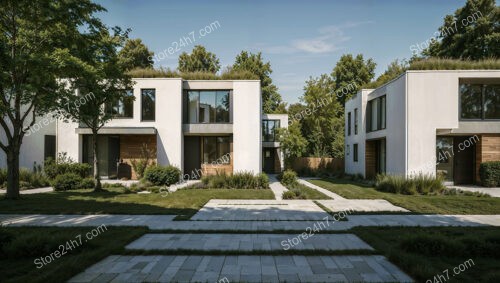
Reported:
(327, 164)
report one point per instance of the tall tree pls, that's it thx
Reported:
(96, 79)
(292, 142)
(394, 69)
(472, 32)
(135, 55)
(32, 36)
(350, 73)
(254, 63)
(200, 60)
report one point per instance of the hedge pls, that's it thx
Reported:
(490, 173)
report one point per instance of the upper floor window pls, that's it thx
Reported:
(123, 108)
(480, 101)
(355, 152)
(208, 106)
(269, 128)
(148, 102)
(349, 123)
(356, 121)
(376, 114)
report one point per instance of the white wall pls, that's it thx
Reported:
(33, 145)
(433, 99)
(356, 102)
(247, 132)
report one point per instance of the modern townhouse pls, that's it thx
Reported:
(201, 126)
(425, 122)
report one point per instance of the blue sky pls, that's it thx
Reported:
(299, 38)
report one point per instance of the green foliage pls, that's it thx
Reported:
(239, 180)
(292, 142)
(293, 194)
(490, 173)
(421, 184)
(31, 179)
(148, 157)
(67, 181)
(254, 63)
(352, 71)
(394, 69)
(288, 178)
(162, 175)
(200, 60)
(53, 168)
(228, 74)
(472, 32)
(3, 177)
(87, 183)
(135, 55)
(453, 64)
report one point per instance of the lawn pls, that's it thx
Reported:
(20, 247)
(308, 193)
(427, 252)
(441, 204)
(182, 202)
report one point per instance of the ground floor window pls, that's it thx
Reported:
(444, 157)
(216, 150)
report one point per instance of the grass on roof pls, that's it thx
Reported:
(455, 64)
(168, 73)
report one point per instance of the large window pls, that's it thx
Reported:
(123, 108)
(148, 101)
(376, 114)
(349, 123)
(479, 101)
(207, 106)
(269, 128)
(216, 150)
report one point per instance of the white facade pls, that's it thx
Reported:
(420, 105)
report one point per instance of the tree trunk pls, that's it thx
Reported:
(12, 172)
(97, 177)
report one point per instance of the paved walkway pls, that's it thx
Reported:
(258, 210)
(361, 205)
(32, 191)
(243, 269)
(318, 188)
(277, 188)
(248, 242)
(161, 222)
(494, 192)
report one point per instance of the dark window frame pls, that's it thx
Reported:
(277, 125)
(217, 150)
(483, 112)
(142, 105)
(381, 100)
(355, 152)
(185, 107)
(349, 123)
(130, 99)
(356, 121)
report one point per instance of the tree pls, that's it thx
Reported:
(394, 69)
(135, 55)
(350, 73)
(32, 36)
(292, 142)
(254, 63)
(200, 60)
(473, 32)
(96, 79)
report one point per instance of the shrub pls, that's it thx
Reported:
(63, 165)
(239, 180)
(68, 181)
(288, 178)
(162, 175)
(87, 183)
(3, 176)
(30, 179)
(147, 159)
(421, 184)
(293, 194)
(490, 173)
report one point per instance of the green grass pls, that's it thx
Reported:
(29, 243)
(437, 204)
(425, 252)
(308, 193)
(182, 202)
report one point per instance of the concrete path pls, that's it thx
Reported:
(32, 191)
(249, 242)
(494, 192)
(361, 205)
(159, 222)
(243, 269)
(277, 188)
(257, 210)
(318, 188)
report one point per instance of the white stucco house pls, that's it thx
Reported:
(425, 122)
(198, 125)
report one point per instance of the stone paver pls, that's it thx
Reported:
(257, 210)
(194, 268)
(361, 205)
(318, 188)
(248, 242)
(494, 192)
(277, 188)
(32, 191)
(165, 222)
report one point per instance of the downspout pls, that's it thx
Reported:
(406, 124)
